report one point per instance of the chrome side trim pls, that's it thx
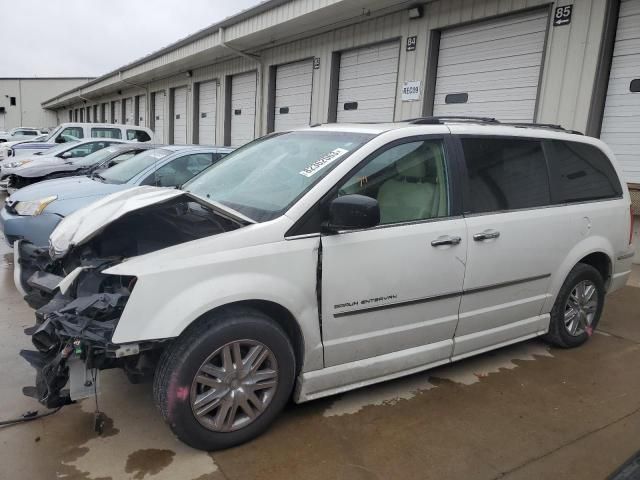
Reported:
(441, 297)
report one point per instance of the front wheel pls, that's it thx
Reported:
(225, 379)
(578, 307)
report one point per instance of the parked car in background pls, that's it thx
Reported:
(20, 172)
(70, 132)
(6, 147)
(313, 262)
(20, 133)
(33, 212)
(46, 167)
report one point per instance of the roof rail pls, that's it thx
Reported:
(435, 120)
(550, 126)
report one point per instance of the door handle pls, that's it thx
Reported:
(486, 235)
(445, 240)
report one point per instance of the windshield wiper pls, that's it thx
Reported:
(223, 209)
(95, 175)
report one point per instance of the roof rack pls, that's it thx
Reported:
(438, 120)
(550, 126)
(435, 120)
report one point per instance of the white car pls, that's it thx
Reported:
(313, 262)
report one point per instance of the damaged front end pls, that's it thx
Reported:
(74, 331)
(78, 307)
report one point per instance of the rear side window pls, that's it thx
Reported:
(138, 135)
(580, 172)
(505, 174)
(106, 133)
(70, 134)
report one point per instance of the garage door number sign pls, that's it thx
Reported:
(562, 15)
(411, 91)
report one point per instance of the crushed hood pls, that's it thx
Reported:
(83, 224)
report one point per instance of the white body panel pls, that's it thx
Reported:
(369, 78)
(294, 84)
(496, 63)
(158, 112)
(207, 108)
(621, 120)
(243, 108)
(180, 116)
(484, 281)
(397, 262)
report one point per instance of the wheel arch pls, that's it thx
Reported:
(278, 314)
(595, 251)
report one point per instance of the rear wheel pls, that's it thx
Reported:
(225, 379)
(578, 307)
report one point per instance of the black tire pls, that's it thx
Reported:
(558, 334)
(180, 362)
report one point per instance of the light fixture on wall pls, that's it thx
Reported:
(415, 12)
(189, 73)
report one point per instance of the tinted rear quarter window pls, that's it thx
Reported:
(505, 174)
(138, 135)
(580, 172)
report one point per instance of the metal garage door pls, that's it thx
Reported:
(116, 112)
(142, 111)
(180, 116)
(293, 95)
(106, 115)
(158, 119)
(243, 108)
(207, 99)
(129, 114)
(492, 68)
(621, 122)
(367, 83)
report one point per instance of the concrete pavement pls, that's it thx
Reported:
(524, 412)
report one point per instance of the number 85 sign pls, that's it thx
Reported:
(562, 15)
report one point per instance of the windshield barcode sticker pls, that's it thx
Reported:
(327, 159)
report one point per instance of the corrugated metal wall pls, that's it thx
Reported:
(568, 76)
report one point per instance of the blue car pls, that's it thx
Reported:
(33, 212)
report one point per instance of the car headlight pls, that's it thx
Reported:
(33, 207)
(18, 164)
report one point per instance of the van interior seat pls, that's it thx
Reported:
(413, 193)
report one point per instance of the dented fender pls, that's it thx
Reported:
(171, 295)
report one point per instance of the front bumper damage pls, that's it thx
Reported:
(68, 331)
(74, 327)
(78, 307)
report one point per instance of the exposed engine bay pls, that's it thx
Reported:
(78, 306)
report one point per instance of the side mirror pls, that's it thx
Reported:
(353, 212)
(66, 155)
(60, 139)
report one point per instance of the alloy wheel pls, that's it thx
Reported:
(581, 308)
(234, 385)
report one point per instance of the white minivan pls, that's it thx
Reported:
(70, 132)
(312, 262)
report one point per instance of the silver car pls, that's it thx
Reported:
(25, 171)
